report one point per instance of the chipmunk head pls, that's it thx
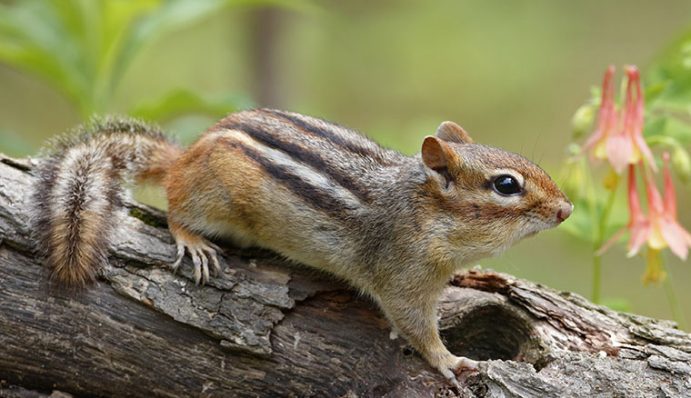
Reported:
(492, 197)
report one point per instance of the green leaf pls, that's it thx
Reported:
(678, 129)
(34, 38)
(595, 95)
(681, 163)
(654, 90)
(672, 71)
(181, 101)
(305, 6)
(580, 225)
(170, 16)
(84, 47)
(584, 222)
(582, 120)
(174, 15)
(655, 126)
(667, 130)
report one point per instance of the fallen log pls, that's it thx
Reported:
(268, 328)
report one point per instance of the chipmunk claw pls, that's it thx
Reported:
(202, 253)
(466, 364)
(178, 257)
(455, 366)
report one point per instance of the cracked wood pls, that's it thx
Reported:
(265, 328)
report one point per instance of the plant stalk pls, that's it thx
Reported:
(600, 237)
(674, 307)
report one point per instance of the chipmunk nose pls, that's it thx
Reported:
(565, 210)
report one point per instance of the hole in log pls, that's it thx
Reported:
(492, 332)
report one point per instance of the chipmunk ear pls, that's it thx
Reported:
(435, 153)
(452, 132)
(438, 156)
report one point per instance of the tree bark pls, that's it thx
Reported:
(267, 328)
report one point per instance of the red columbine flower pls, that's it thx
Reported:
(638, 226)
(665, 230)
(606, 118)
(619, 134)
(627, 146)
(660, 228)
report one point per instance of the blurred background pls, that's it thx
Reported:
(512, 73)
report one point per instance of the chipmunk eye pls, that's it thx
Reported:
(506, 185)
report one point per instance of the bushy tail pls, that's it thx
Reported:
(80, 186)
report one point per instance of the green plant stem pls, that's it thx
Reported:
(674, 307)
(597, 278)
(601, 230)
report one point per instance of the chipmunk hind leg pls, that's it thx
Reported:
(191, 193)
(201, 203)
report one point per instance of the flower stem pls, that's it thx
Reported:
(600, 237)
(677, 313)
(597, 278)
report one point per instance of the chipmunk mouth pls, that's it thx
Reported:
(534, 228)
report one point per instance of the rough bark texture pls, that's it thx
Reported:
(266, 328)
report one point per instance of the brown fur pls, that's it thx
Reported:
(395, 227)
(78, 191)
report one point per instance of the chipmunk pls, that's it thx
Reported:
(393, 226)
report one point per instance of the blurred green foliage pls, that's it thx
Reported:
(511, 73)
(83, 48)
(669, 79)
(669, 96)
